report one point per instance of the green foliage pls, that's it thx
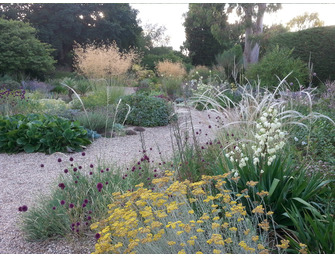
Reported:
(6, 82)
(278, 62)
(305, 21)
(315, 42)
(62, 24)
(40, 133)
(42, 222)
(172, 87)
(20, 51)
(16, 102)
(146, 111)
(200, 22)
(314, 230)
(100, 97)
(157, 54)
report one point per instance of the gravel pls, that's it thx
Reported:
(23, 180)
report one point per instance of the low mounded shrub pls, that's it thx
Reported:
(146, 111)
(279, 62)
(40, 133)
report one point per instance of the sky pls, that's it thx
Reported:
(170, 15)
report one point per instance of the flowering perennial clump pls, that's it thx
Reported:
(182, 217)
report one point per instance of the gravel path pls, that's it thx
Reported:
(22, 179)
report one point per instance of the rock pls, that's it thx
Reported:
(139, 129)
(130, 132)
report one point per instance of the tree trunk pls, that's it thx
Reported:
(251, 48)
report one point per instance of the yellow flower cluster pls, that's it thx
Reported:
(180, 217)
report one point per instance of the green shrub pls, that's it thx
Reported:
(279, 62)
(40, 133)
(172, 87)
(145, 111)
(315, 42)
(21, 51)
(100, 97)
(9, 85)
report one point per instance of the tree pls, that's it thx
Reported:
(305, 21)
(200, 21)
(155, 35)
(252, 17)
(62, 24)
(21, 51)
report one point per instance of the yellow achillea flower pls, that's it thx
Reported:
(303, 249)
(192, 200)
(171, 206)
(233, 229)
(228, 240)
(284, 244)
(171, 243)
(199, 230)
(205, 216)
(180, 232)
(258, 209)
(216, 218)
(182, 244)
(198, 191)
(262, 193)
(215, 251)
(156, 224)
(215, 225)
(199, 252)
(193, 237)
(260, 247)
(209, 198)
(255, 238)
(161, 214)
(187, 228)
(190, 242)
(266, 251)
(147, 212)
(252, 183)
(269, 213)
(200, 221)
(182, 252)
(190, 211)
(264, 225)
(139, 185)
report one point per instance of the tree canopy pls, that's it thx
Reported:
(305, 21)
(21, 51)
(62, 24)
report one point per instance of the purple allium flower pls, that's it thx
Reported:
(91, 173)
(24, 208)
(62, 202)
(71, 205)
(78, 223)
(85, 201)
(106, 182)
(75, 169)
(139, 168)
(80, 167)
(54, 208)
(91, 165)
(71, 159)
(61, 185)
(72, 225)
(76, 181)
(99, 186)
(42, 165)
(101, 171)
(72, 229)
(86, 223)
(150, 148)
(155, 175)
(83, 153)
(155, 170)
(89, 217)
(148, 178)
(71, 165)
(77, 230)
(97, 236)
(107, 169)
(209, 126)
(59, 160)
(152, 189)
(20, 209)
(66, 170)
(83, 205)
(89, 212)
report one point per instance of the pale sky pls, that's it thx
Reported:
(171, 16)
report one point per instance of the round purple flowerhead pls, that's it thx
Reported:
(83, 154)
(71, 205)
(91, 165)
(62, 202)
(85, 201)
(24, 208)
(59, 160)
(99, 186)
(89, 217)
(66, 171)
(97, 236)
(71, 159)
(83, 205)
(54, 208)
(61, 185)
(20, 209)
(42, 165)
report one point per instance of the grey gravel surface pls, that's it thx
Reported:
(22, 180)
